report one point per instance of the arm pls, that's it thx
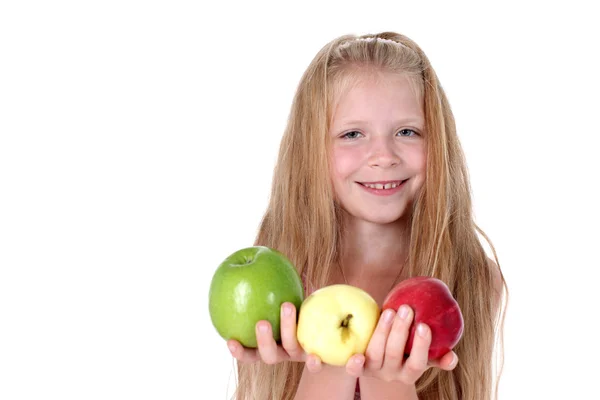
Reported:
(318, 381)
(383, 371)
(383, 386)
(331, 383)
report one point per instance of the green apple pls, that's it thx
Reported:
(250, 286)
(336, 322)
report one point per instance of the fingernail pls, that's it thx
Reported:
(388, 316)
(358, 360)
(231, 347)
(403, 312)
(262, 328)
(312, 361)
(287, 310)
(422, 330)
(454, 361)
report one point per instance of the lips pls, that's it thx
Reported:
(382, 185)
(383, 188)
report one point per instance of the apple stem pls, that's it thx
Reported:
(346, 321)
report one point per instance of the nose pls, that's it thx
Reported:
(383, 154)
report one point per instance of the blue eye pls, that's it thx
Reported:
(407, 130)
(352, 135)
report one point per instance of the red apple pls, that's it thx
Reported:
(432, 304)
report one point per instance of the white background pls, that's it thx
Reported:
(137, 146)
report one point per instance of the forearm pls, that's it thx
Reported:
(331, 383)
(376, 389)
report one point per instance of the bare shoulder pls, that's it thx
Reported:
(498, 281)
(496, 274)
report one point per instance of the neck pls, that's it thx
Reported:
(370, 249)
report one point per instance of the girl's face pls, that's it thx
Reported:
(377, 149)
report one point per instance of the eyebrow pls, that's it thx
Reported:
(409, 120)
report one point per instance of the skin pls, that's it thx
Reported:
(377, 134)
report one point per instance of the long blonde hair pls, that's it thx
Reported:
(303, 221)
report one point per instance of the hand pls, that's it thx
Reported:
(268, 350)
(384, 358)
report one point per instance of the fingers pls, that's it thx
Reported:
(394, 351)
(289, 340)
(268, 350)
(416, 363)
(242, 353)
(447, 362)
(356, 365)
(313, 363)
(374, 356)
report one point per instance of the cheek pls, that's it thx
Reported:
(419, 164)
(422, 162)
(344, 162)
(418, 159)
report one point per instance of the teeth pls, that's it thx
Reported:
(380, 186)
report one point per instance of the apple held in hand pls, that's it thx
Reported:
(432, 304)
(250, 286)
(336, 322)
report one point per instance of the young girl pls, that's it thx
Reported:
(371, 188)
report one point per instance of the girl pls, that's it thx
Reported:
(371, 188)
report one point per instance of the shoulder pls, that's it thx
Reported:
(497, 281)
(496, 274)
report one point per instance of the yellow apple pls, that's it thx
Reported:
(336, 322)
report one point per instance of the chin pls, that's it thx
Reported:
(382, 219)
(385, 221)
(381, 215)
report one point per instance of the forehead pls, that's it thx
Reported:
(377, 95)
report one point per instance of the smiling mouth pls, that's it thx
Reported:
(382, 185)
